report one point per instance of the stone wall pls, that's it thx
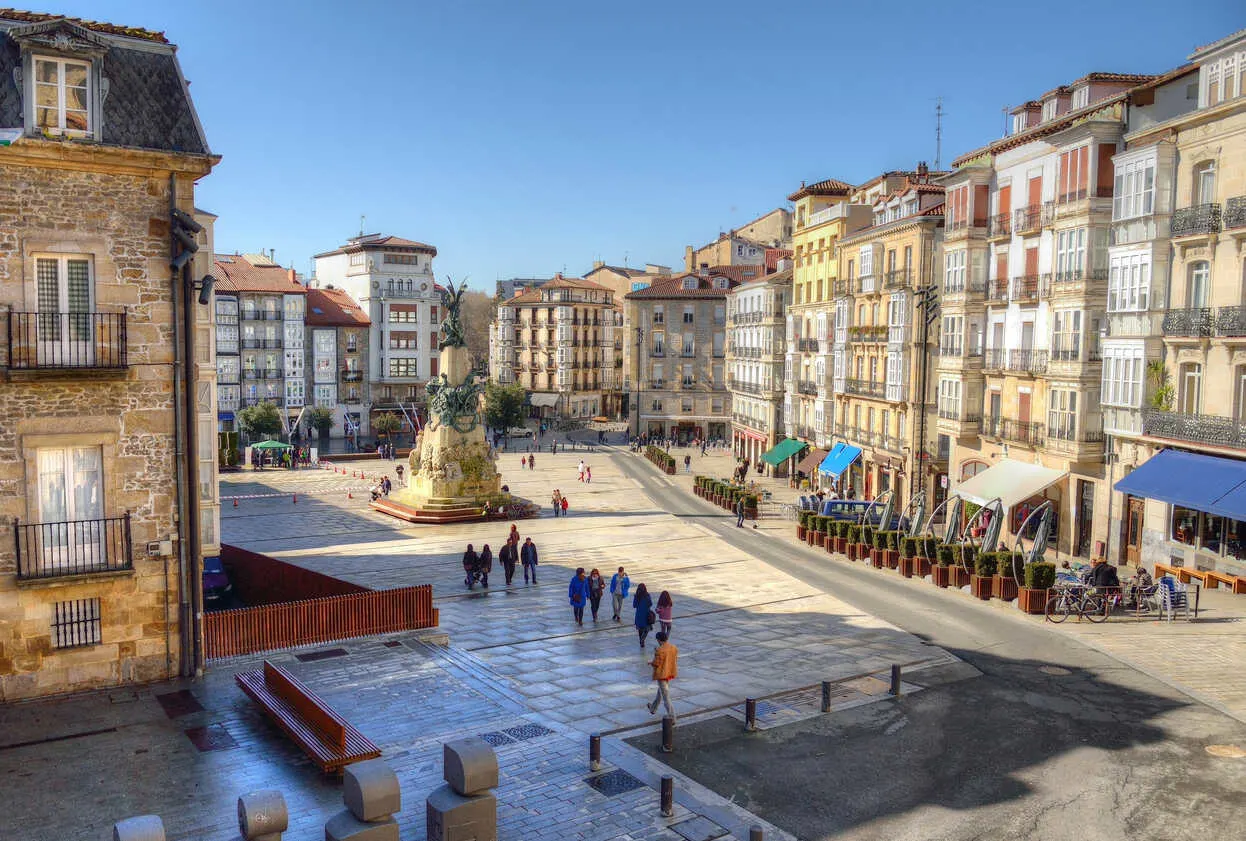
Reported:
(117, 215)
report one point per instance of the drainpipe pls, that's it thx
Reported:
(179, 463)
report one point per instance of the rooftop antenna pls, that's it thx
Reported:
(362, 219)
(1004, 111)
(625, 259)
(938, 134)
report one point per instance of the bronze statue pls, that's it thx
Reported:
(452, 326)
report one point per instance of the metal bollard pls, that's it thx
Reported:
(895, 681)
(594, 752)
(750, 715)
(668, 796)
(755, 833)
(668, 734)
(826, 696)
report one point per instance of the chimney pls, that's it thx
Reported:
(923, 172)
(294, 278)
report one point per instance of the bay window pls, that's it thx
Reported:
(1070, 253)
(1129, 282)
(1133, 193)
(1062, 414)
(1122, 376)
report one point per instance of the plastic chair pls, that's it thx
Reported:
(1174, 597)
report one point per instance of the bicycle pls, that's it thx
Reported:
(1083, 600)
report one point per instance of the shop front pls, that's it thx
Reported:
(1020, 487)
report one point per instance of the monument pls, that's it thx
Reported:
(453, 476)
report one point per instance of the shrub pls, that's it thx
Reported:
(945, 555)
(1040, 575)
(880, 540)
(984, 564)
(908, 547)
(867, 535)
(828, 526)
(842, 527)
(854, 533)
(750, 500)
(1008, 563)
(967, 555)
(805, 517)
(893, 539)
(930, 547)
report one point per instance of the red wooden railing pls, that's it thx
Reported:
(228, 633)
(261, 580)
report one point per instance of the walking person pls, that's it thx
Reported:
(513, 537)
(588, 475)
(532, 462)
(665, 668)
(471, 565)
(523, 462)
(486, 565)
(528, 557)
(580, 470)
(563, 502)
(596, 589)
(687, 464)
(619, 585)
(665, 611)
(644, 612)
(739, 512)
(509, 556)
(556, 502)
(577, 594)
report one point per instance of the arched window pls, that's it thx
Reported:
(971, 468)
(1199, 291)
(1190, 383)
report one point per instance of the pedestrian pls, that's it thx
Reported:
(644, 612)
(528, 557)
(665, 611)
(687, 464)
(588, 475)
(664, 663)
(619, 585)
(739, 512)
(486, 565)
(386, 485)
(577, 594)
(596, 588)
(580, 470)
(556, 502)
(471, 566)
(532, 462)
(508, 556)
(852, 493)
(523, 462)
(513, 537)
(398, 470)
(563, 502)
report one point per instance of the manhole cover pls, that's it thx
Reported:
(325, 654)
(180, 703)
(699, 829)
(1058, 671)
(614, 782)
(496, 739)
(212, 737)
(527, 731)
(1227, 751)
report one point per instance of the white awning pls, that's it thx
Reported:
(1011, 481)
(540, 399)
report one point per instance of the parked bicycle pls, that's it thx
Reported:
(1082, 601)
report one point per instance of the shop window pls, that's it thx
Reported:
(1184, 525)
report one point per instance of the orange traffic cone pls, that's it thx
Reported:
(350, 495)
(296, 499)
(235, 503)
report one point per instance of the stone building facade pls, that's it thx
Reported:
(337, 361)
(95, 573)
(745, 245)
(756, 315)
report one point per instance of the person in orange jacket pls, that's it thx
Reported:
(664, 662)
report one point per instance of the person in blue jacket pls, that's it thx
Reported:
(528, 556)
(643, 603)
(577, 594)
(619, 585)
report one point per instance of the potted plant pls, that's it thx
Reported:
(891, 556)
(1004, 582)
(878, 553)
(962, 562)
(984, 573)
(831, 529)
(854, 542)
(908, 555)
(750, 506)
(815, 526)
(841, 536)
(940, 573)
(802, 524)
(1039, 578)
(927, 547)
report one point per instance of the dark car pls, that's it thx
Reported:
(216, 584)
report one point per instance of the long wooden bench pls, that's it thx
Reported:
(330, 741)
(1210, 579)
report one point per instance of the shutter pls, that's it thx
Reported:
(981, 204)
(1106, 177)
(1036, 191)
(1031, 261)
(1005, 199)
(1083, 170)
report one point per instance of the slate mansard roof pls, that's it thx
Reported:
(141, 97)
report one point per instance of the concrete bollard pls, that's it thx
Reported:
(668, 796)
(750, 715)
(141, 828)
(895, 681)
(668, 734)
(262, 815)
(470, 765)
(464, 807)
(372, 797)
(594, 752)
(826, 696)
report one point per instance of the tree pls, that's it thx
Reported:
(260, 420)
(386, 424)
(504, 405)
(477, 311)
(320, 419)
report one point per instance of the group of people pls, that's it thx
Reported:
(478, 565)
(528, 462)
(385, 450)
(288, 458)
(381, 488)
(585, 472)
(1104, 576)
(559, 503)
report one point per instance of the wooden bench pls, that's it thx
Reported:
(330, 741)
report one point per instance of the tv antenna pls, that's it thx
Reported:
(362, 219)
(1005, 111)
(938, 134)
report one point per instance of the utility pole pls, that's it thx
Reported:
(938, 134)
(928, 307)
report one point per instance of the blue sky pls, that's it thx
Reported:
(525, 138)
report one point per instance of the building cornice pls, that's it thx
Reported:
(86, 156)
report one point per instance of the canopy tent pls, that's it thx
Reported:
(1010, 481)
(1204, 483)
(838, 459)
(271, 445)
(541, 399)
(782, 451)
(810, 462)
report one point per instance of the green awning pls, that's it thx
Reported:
(782, 451)
(271, 445)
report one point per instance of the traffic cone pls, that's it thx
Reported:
(296, 499)
(350, 495)
(235, 503)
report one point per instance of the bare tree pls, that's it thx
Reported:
(477, 312)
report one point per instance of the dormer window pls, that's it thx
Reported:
(690, 283)
(62, 96)
(720, 283)
(1081, 98)
(1049, 109)
(1018, 123)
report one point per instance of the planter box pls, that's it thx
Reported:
(921, 567)
(908, 566)
(1031, 601)
(801, 531)
(811, 537)
(958, 576)
(841, 545)
(878, 557)
(980, 586)
(750, 513)
(1003, 587)
(852, 551)
(940, 575)
(891, 557)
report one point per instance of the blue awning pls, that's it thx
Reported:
(838, 459)
(1204, 483)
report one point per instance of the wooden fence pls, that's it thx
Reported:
(261, 580)
(228, 633)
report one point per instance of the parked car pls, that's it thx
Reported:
(216, 584)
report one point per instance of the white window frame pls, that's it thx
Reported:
(1062, 414)
(1133, 193)
(1129, 281)
(954, 271)
(1080, 98)
(33, 109)
(1122, 376)
(1070, 253)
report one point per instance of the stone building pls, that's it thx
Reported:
(621, 279)
(98, 567)
(756, 315)
(337, 359)
(559, 341)
(743, 246)
(674, 344)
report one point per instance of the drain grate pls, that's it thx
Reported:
(613, 783)
(699, 829)
(393, 644)
(210, 738)
(325, 654)
(496, 739)
(527, 731)
(180, 703)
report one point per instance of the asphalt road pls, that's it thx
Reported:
(1053, 740)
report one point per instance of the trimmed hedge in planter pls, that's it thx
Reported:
(802, 523)
(1039, 578)
(980, 583)
(664, 460)
(1004, 584)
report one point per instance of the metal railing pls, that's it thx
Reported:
(61, 340)
(350, 376)
(1192, 322)
(807, 345)
(1030, 287)
(1199, 219)
(897, 279)
(1078, 276)
(1031, 218)
(997, 289)
(1023, 432)
(807, 387)
(252, 344)
(1204, 429)
(1235, 213)
(865, 388)
(747, 388)
(999, 225)
(75, 547)
(1022, 360)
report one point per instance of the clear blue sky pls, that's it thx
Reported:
(524, 137)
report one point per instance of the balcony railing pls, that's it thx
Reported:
(77, 547)
(1199, 219)
(752, 423)
(999, 225)
(997, 289)
(349, 376)
(1077, 276)
(950, 414)
(262, 315)
(807, 387)
(1030, 287)
(1023, 432)
(897, 279)
(272, 344)
(1203, 429)
(252, 343)
(808, 433)
(807, 345)
(1030, 219)
(1066, 438)
(1020, 360)
(748, 388)
(843, 287)
(866, 388)
(1194, 322)
(1235, 213)
(67, 340)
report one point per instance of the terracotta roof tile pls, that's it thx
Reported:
(623, 270)
(828, 187)
(374, 242)
(740, 274)
(235, 273)
(674, 288)
(333, 308)
(93, 25)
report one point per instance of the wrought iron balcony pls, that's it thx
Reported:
(252, 343)
(866, 388)
(1195, 322)
(747, 388)
(1067, 438)
(997, 289)
(842, 288)
(897, 279)
(1028, 220)
(1007, 429)
(1020, 360)
(67, 340)
(1235, 213)
(1231, 321)
(1203, 429)
(999, 225)
(807, 387)
(1199, 219)
(807, 345)
(76, 547)
(807, 433)
(1030, 287)
(349, 376)
(272, 344)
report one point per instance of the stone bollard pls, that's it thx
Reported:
(372, 797)
(465, 809)
(141, 828)
(262, 815)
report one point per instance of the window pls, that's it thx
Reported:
(1133, 193)
(62, 96)
(659, 344)
(1190, 388)
(1205, 183)
(1223, 80)
(720, 315)
(1122, 377)
(658, 315)
(867, 261)
(402, 315)
(326, 396)
(1049, 109)
(1129, 282)
(357, 258)
(657, 374)
(1070, 253)
(688, 312)
(227, 369)
(687, 375)
(1199, 289)
(70, 490)
(403, 367)
(951, 336)
(65, 293)
(324, 341)
(402, 259)
(949, 398)
(689, 344)
(1062, 414)
(1066, 335)
(1080, 98)
(403, 340)
(76, 623)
